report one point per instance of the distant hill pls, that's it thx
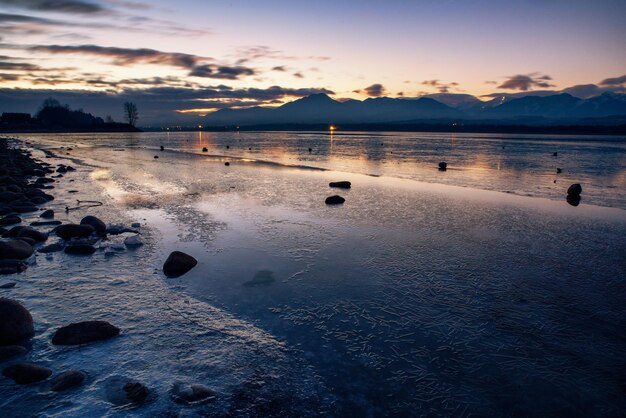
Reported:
(524, 108)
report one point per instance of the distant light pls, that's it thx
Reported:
(331, 127)
(199, 126)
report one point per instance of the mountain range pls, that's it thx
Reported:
(531, 109)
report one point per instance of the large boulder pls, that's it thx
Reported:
(12, 266)
(178, 263)
(47, 214)
(15, 249)
(10, 220)
(69, 231)
(335, 200)
(84, 332)
(16, 323)
(32, 233)
(67, 380)
(96, 223)
(25, 373)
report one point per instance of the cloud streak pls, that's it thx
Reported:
(59, 6)
(525, 82)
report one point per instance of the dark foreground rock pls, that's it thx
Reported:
(99, 226)
(12, 266)
(335, 200)
(340, 184)
(25, 373)
(47, 214)
(10, 220)
(178, 263)
(16, 323)
(184, 393)
(84, 332)
(11, 351)
(80, 249)
(8, 285)
(122, 391)
(443, 166)
(67, 380)
(69, 231)
(15, 250)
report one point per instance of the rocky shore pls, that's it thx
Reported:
(29, 230)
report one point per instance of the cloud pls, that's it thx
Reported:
(375, 90)
(59, 6)
(442, 87)
(279, 68)
(615, 81)
(585, 91)
(221, 72)
(525, 82)
(298, 74)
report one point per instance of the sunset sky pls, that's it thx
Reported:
(197, 56)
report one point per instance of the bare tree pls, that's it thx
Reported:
(131, 114)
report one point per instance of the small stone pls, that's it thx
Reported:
(135, 225)
(340, 184)
(84, 332)
(67, 380)
(183, 393)
(68, 231)
(443, 166)
(205, 149)
(226, 163)
(15, 250)
(156, 156)
(574, 190)
(335, 200)
(25, 373)
(133, 241)
(80, 249)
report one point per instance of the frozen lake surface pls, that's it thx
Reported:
(417, 297)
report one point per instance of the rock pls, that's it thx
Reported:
(45, 223)
(38, 200)
(47, 214)
(7, 285)
(67, 380)
(15, 249)
(70, 168)
(443, 166)
(84, 332)
(27, 240)
(32, 233)
(68, 231)
(156, 156)
(23, 208)
(310, 149)
(136, 392)
(135, 225)
(205, 149)
(25, 373)
(554, 154)
(340, 184)
(12, 266)
(162, 148)
(574, 190)
(559, 170)
(335, 200)
(10, 220)
(80, 249)
(52, 248)
(226, 163)
(133, 241)
(178, 263)
(183, 393)
(114, 229)
(10, 351)
(61, 169)
(16, 324)
(96, 223)
(573, 199)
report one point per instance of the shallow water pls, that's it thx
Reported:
(413, 298)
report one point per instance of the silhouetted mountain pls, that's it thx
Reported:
(522, 108)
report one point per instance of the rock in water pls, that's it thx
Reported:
(340, 184)
(28, 232)
(335, 200)
(443, 166)
(67, 380)
(80, 249)
(133, 241)
(178, 263)
(12, 266)
(205, 149)
(84, 332)
(227, 163)
(574, 190)
(10, 220)
(573, 199)
(52, 248)
(183, 393)
(16, 323)
(74, 231)
(15, 250)
(96, 223)
(25, 373)
(136, 392)
(10, 351)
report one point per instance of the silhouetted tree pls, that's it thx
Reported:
(131, 114)
(54, 114)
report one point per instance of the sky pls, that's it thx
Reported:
(180, 60)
